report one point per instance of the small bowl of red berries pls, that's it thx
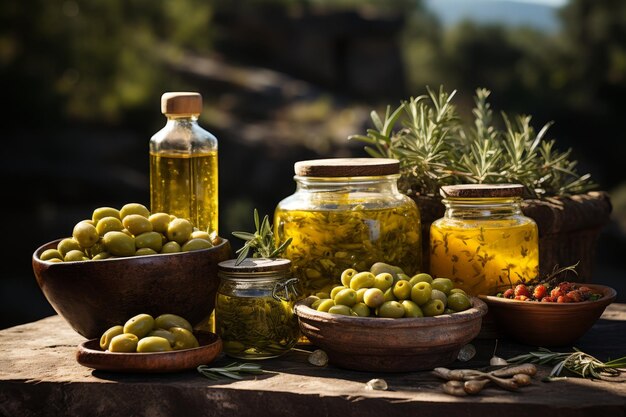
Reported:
(548, 314)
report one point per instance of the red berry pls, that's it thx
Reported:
(563, 299)
(522, 298)
(575, 296)
(540, 291)
(548, 300)
(556, 292)
(508, 293)
(521, 289)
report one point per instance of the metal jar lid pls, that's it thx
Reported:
(482, 190)
(347, 167)
(254, 268)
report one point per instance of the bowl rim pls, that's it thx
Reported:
(479, 309)
(609, 295)
(48, 245)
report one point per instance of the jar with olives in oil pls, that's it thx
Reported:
(347, 213)
(254, 314)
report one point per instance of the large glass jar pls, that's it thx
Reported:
(484, 243)
(347, 213)
(254, 308)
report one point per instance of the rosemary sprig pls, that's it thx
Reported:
(261, 242)
(577, 362)
(233, 371)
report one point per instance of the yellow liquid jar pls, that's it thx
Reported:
(183, 164)
(484, 243)
(347, 213)
(254, 314)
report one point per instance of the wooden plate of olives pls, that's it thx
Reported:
(91, 355)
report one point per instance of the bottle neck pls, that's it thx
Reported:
(181, 119)
(378, 184)
(467, 208)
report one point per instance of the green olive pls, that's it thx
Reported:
(402, 289)
(411, 309)
(435, 294)
(75, 256)
(388, 294)
(179, 230)
(153, 344)
(102, 212)
(453, 290)
(383, 281)
(109, 224)
(100, 256)
(66, 245)
(362, 280)
(361, 310)
(360, 293)
(145, 251)
(340, 309)
(196, 244)
(346, 297)
(137, 224)
(49, 254)
(165, 321)
(374, 297)
(170, 247)
(125, 342)
(402, 276)
(152, 240)
(119, 244)
(159, 222)
(391, 309)
(107, 336)
(96, 249)
(325, 305)
(201, 234)
(458, 301)
(322, 295)
(134, 208)
(380, 267)
(433, 308)
(183, 338)
(335, 290)
(139, 325)
(442, 284)
(85, 234)
(316, 303)
(448, 310)
(422, 277)
(421, 292)
(346, 276)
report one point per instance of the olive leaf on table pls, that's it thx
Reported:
(233, 371)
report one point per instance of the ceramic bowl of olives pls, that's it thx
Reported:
(95, 280)
(378, 344)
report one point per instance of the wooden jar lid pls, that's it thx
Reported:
(482, 190)
(181, 102)
(347, 167)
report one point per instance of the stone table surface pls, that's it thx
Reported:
(39, 376)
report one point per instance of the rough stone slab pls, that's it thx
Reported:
(39, 376)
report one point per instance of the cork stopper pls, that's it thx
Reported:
(181, 102)
(482, 190)
(347, 167)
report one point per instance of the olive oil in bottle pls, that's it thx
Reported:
(184, 164)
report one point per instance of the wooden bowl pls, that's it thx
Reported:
(90, 355)
(378, 344)
(93, 296)
(547, 324)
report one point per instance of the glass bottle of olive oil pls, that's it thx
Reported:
(183, 164)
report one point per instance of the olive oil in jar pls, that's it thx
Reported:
(347, 213)
(484, 243)
(186, 186)
(184, 164)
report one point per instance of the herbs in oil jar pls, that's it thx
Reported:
(347, 213)
(484, 243)
(254, 308)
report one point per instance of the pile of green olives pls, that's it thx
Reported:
(143, 333)
(129, 231)
(386, 291)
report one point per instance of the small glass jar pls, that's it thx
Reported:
(347, 213)
(254, 314)
(484, 243)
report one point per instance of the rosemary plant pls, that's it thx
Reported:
(261, 242)
(435, 147)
